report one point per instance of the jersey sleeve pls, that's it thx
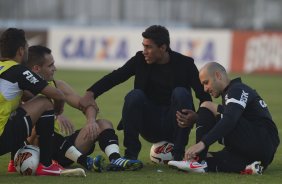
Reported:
(239, 96)
(28, 80)
(235, 102)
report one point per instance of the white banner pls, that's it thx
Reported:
(111, 47)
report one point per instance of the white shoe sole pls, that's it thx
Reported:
(73, 172)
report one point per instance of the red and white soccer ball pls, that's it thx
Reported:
(26, 159)
(161, 152)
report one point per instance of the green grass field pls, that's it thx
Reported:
(110, 105)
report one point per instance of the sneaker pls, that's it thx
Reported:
(53, 170)
(189, 165)
(97, 163)
(253, 168)
(123, 164)
(56, 169)
(11, 167)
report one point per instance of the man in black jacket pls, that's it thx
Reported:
(160, 107)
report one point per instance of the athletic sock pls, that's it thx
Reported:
(206, 120)
(108, 142)
(45, 130)
(73, 154)
(65, 148)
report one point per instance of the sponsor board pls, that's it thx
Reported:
(110, 48)
(256, 52)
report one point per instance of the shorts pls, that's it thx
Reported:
(17, 129)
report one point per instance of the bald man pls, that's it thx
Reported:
(242, 124)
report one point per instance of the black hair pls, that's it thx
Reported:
(10, 41)
(159, 34)
(36, 55)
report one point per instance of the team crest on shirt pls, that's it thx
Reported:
(263, 104)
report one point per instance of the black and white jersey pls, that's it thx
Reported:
(14, 79)
(239, 101)
(23, 79)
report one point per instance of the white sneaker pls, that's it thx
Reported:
(253, 168)
(190, 165)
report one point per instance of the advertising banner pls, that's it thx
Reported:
(110, 48)
(259, 52)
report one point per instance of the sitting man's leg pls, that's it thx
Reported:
(181, 99)
(132, 120)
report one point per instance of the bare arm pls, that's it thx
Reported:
(90, 111)
(58, 97)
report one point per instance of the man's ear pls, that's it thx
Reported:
(20, 51)
(36, 68)
(163, 47)
(218, 75)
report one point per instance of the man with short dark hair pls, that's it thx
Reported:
(78, 144)
(162, 90)
(16, 119)
(243, 124)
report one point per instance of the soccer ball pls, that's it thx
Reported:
(161, 152)
(26, 160)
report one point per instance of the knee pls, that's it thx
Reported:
(180, 93)
(104, 124)
(135, 97)
(210, 106)
(45, 103)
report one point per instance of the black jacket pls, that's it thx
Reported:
(184, 71)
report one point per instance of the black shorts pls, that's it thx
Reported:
(59, 156)
(17, 129)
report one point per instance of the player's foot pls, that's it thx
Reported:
(123, 164)
(11, 167)
(253, 168)
(53, 170)
(56, 169)
(97, 163)
(189, 165)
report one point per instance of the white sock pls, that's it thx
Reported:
(112, 148)
(72, 153)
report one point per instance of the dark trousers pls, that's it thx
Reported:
(154, 123)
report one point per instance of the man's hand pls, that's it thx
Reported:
(193, 151)
(186, 118)
(88, 100)
(65, 125)
(93, 130)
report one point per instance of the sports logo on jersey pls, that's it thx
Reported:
(244, 97)
(30, 77)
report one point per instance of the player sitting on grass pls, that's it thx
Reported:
(243, 124)
(16, 119)
(66, 148)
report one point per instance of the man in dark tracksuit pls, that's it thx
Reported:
(244, 125)
(162, 88)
